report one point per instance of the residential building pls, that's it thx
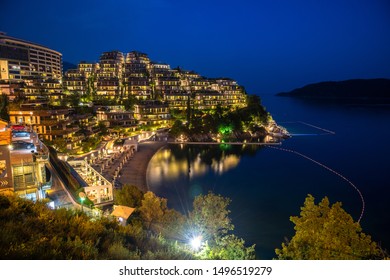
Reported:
(20, 59)
(109, 75)
(152, 112)
(116, 116)
(87, 69)
(208, 99)
(133, 75)
(137, 64)
(23, 159)
(139, 87)
(74, 80)
(96, 187)
(48, 121)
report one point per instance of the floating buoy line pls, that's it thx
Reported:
(325, 166)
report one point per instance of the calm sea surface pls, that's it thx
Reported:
(267, 186)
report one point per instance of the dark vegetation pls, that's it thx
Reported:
(367, 90)
(328, 232)
(32, 231)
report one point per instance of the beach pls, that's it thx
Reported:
(134, 171)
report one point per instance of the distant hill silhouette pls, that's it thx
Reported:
(68, 65)
(375, 90)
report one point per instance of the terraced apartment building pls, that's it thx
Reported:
(134, 75)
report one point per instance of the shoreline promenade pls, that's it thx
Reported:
(134, 171)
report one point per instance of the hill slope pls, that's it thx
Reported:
(377, 90)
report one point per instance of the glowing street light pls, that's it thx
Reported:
(196, 242)
(82, 198)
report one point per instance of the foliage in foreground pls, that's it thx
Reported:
(208, 219)
(32, 231)
(324, 232)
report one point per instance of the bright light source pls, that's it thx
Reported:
(196, 242)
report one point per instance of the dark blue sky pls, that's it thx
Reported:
(267, 45)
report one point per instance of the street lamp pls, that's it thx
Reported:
(82, 198)
(196, 242)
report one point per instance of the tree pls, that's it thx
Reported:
(324, 232)
(129, 195)
(229, 247)
(33, 231)
(129, 102)
(74, 99)
(210, 215)
(152, 209)
(178, 128)
(60, 144)
(158, 218)
(91, 88)
(103, 128)
(4, 107)
(210, 219)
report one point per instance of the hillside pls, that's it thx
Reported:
(370, 90)
(68, 65)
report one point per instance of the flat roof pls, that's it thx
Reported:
(6, 37)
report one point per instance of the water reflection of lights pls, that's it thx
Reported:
(168, 166)
(226, 163)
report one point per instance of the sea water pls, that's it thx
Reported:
(267, 185)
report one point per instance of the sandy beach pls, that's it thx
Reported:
(134, 171)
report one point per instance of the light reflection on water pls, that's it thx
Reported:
(167, 166)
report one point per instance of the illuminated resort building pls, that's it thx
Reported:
(20, 59)
(23, 159)
(116, 116)
(50, 123)
(28, 69)
(109, 74)
(152, 112)
(134, 75)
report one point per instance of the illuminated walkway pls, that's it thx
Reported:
(329, 169)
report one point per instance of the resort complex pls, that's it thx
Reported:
(78, 171)
(64, 129)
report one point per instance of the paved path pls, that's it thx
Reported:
(134, 171)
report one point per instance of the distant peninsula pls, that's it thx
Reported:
(363, 90)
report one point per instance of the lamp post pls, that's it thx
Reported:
(82, 198)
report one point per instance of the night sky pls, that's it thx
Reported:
(266, 45)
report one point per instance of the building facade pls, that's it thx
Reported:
(23, 159)
(133, 75)
(20, 59)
